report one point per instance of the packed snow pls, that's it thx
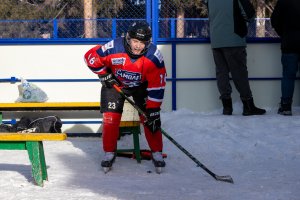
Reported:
(260, 153)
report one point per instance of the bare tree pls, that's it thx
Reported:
(109, 8)
(260, 18)
(89, 19)
(264, 9)
(180, 20)
(181, 6)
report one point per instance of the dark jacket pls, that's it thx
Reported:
(228, 20)
(285, 20)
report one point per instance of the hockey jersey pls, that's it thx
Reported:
(130, 72)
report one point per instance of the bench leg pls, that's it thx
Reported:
(37, 158)
(136, 144)
(135, 131)
(43, 162)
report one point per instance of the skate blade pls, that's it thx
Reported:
(158, 170)
(106, 169)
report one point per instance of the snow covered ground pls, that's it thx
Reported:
(261, 153)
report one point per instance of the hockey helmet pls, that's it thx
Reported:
(140, 31)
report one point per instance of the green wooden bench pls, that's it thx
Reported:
(33, 143)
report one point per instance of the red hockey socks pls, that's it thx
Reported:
(110, 131)
(154, 139)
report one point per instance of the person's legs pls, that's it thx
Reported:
(223, 80)
(222, 73)
(110, 131)
(236, 57)
(154, 139)
(112, 107)
(290, 67)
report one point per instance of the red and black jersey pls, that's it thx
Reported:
(131, 72)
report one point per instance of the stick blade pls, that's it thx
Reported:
(227, 179)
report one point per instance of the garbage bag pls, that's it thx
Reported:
(29, 92)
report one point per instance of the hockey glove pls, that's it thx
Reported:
(108, 80)
(153, 119)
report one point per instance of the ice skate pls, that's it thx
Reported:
(108, 161)
(158, 161)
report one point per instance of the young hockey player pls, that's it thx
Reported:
(137, 66)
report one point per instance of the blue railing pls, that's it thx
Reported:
(68, 31)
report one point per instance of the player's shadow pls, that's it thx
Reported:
(79, 130)
(24, 170)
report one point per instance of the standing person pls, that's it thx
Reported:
(228, 29)
(285, 20)
(137, 66)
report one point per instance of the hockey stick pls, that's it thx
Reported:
(141, 112)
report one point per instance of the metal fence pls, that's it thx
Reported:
(84, 20)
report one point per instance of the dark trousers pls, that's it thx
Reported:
(290, 66)
(232, 60)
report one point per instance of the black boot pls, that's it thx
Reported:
(285, 109)
(227, 106)
(251, 109)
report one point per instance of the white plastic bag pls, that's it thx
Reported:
(29, 92)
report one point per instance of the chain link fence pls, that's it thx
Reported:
(86, 19)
